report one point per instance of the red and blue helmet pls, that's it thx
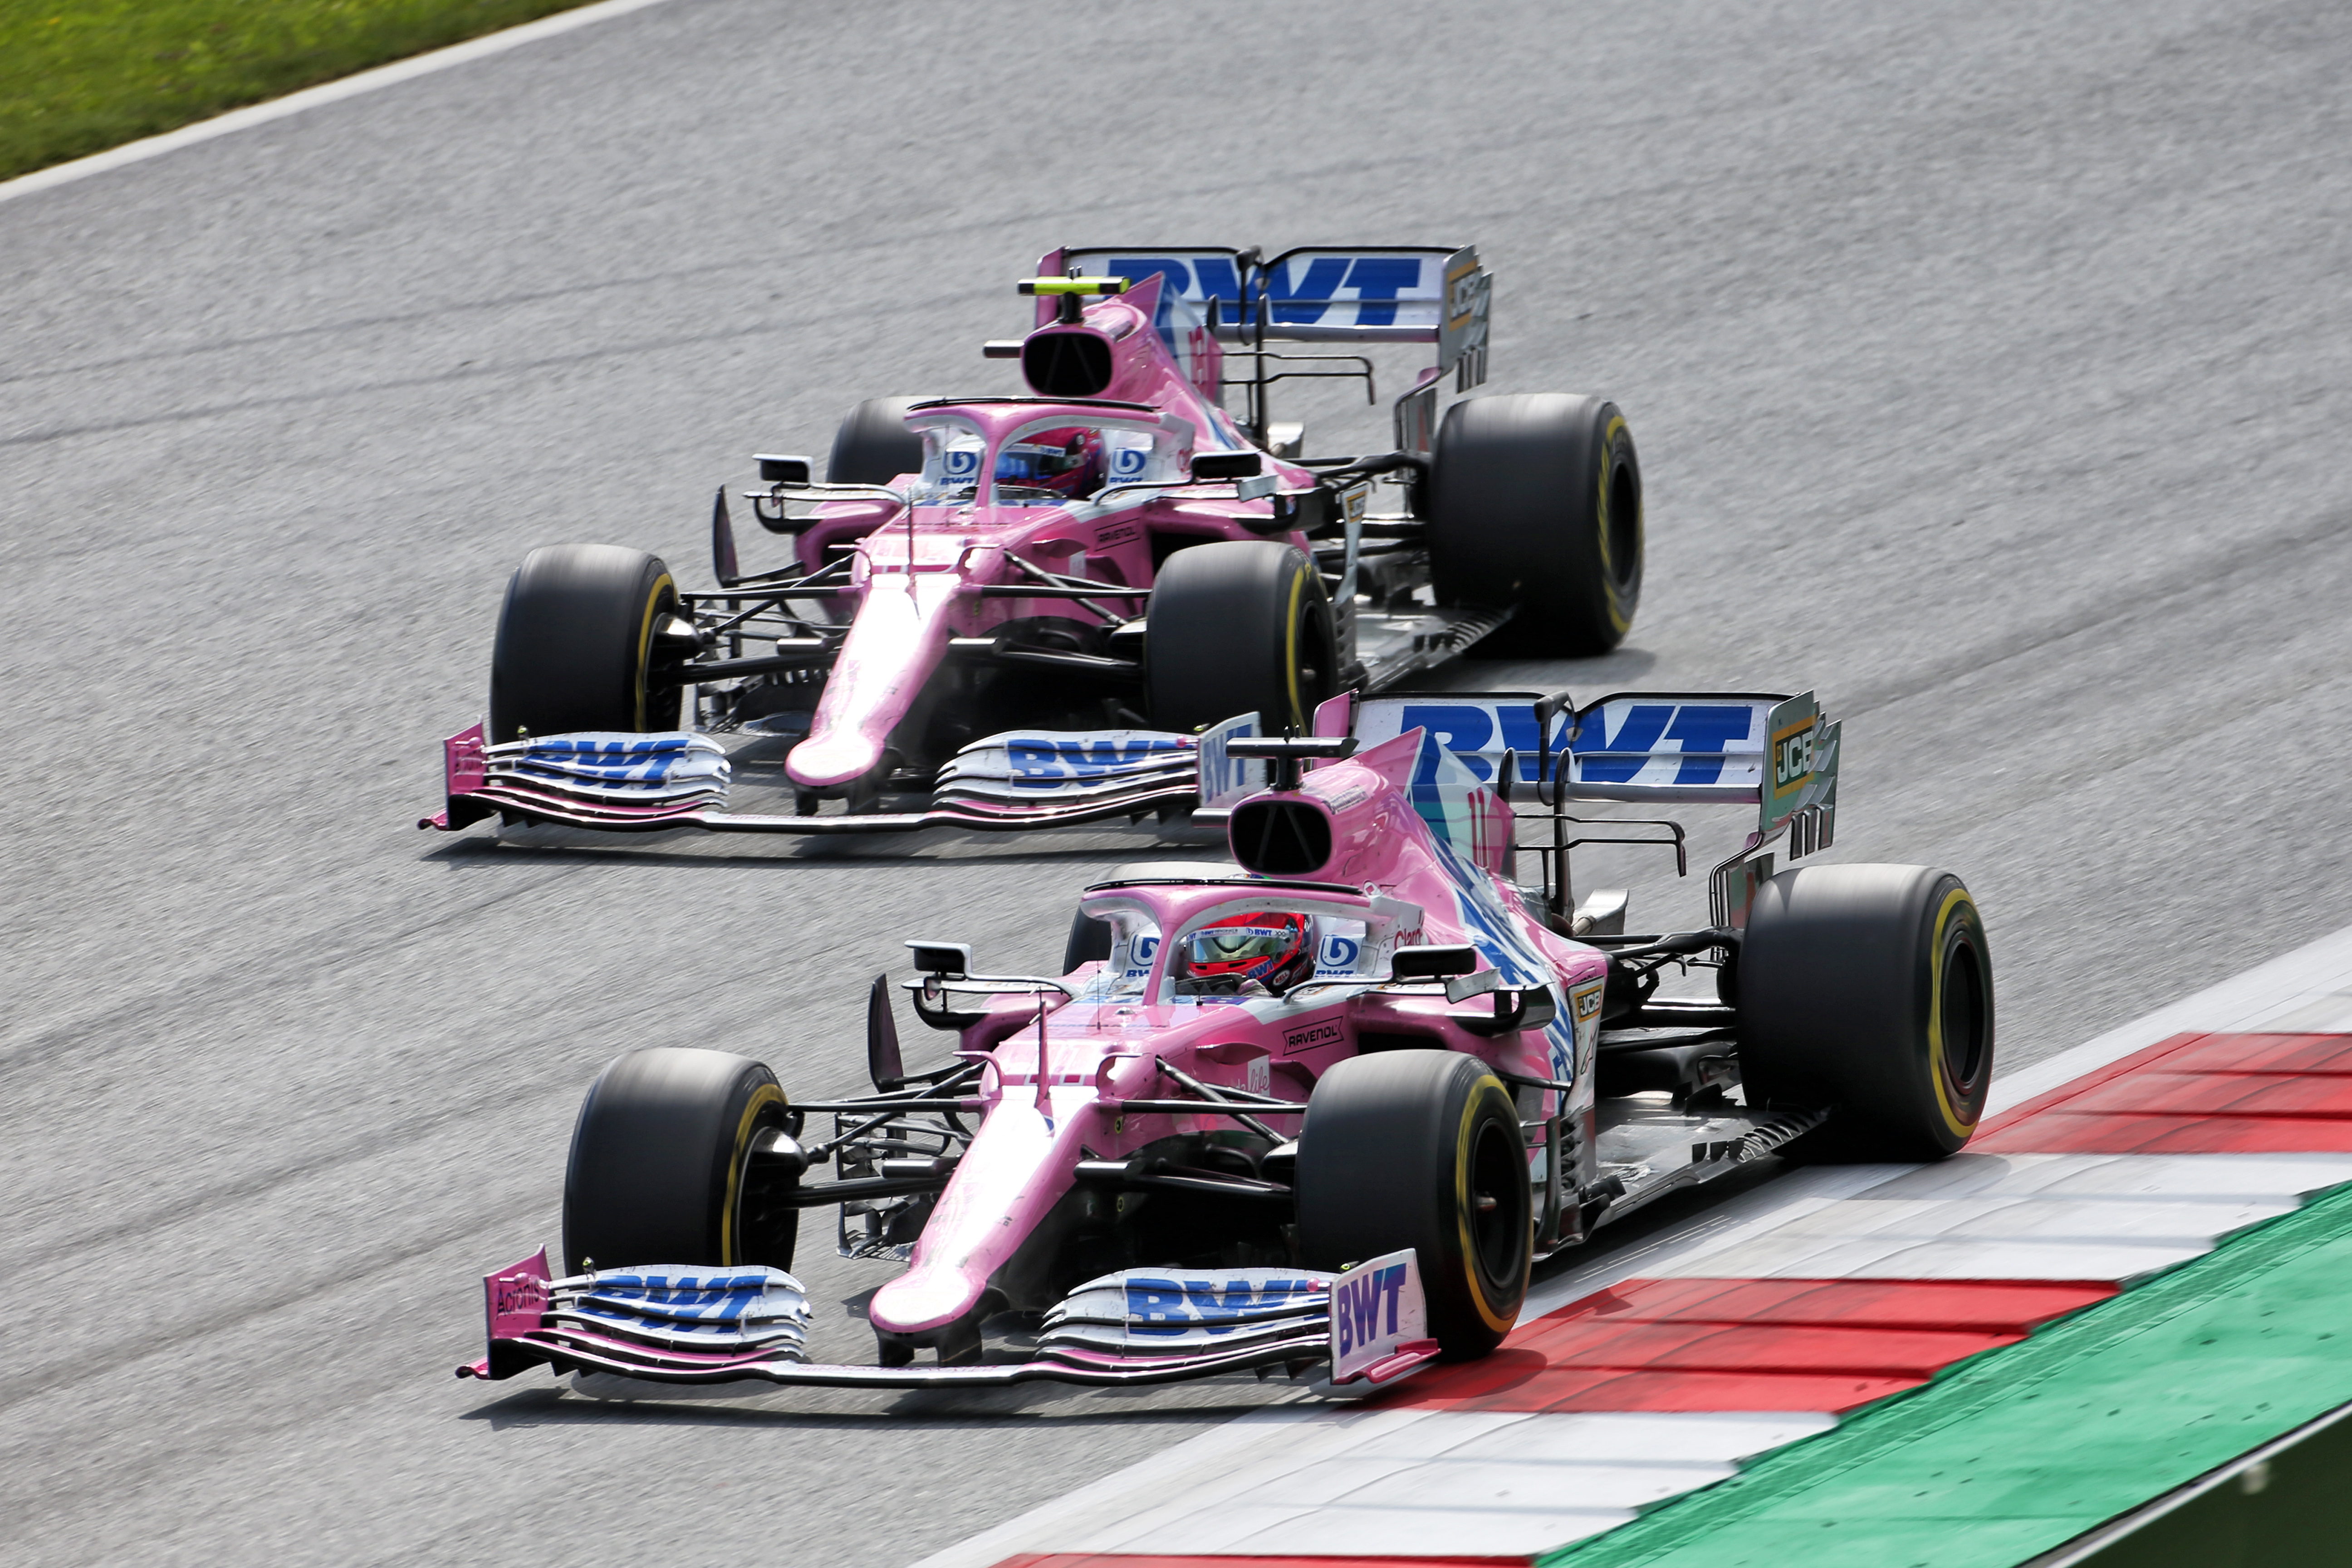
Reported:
(1273, 948)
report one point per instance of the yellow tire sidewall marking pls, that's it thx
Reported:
(767, 1094)
(1936, 1072)
(1462, 1203)
(646, 636)
(1299, 714)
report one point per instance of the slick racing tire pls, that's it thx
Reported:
(874, 446)
(1534, 504)
(661, 1168)
(1422, 1148)
(1239, 626)
(576, 641)
(1868, 989)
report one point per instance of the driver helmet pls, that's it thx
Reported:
(1068, 462)
(1275, 948)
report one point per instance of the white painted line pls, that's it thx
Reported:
(2308, 989)
(311, 97)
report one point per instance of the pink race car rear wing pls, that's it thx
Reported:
(702, 1325)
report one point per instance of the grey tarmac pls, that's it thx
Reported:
(1988, 364)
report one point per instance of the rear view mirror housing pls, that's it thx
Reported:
(1228, 465)
(1433, 963)
(779, 469)
(945, 958)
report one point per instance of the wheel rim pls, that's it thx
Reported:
(1624, 527)
(1497, 1191)
(1963, 1018)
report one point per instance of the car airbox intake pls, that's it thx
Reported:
(1281, 837)
(1073, 363)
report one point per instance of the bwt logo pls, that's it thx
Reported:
(1356, 1301)
(1792, 758)
(1042, 763)
(1338, 952)
(1377, 281)
(1128, 462)
(1173, 1306)
(963, 463)
(1702, 731)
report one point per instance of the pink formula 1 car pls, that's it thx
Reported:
(1325, 1105)
(1115, 551)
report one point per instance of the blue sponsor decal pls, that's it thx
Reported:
(1173, 1306)
(1041, 762)
(962, 463)
(1338, 952)
(1216, 276)
(1356, 1302)
(1702, 729)
(1468, 730)
(1128, 461)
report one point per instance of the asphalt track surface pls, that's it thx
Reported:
(1989, 368)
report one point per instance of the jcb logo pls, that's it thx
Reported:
(1792, 758)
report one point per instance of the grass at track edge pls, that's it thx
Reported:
(78, 77)
(2014, 1452)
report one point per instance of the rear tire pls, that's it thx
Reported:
(1869, 988)
(1535, 501)
(874, 446)
(1397, 1151)
(1239, 626)
(659, 1170)
(575, 644)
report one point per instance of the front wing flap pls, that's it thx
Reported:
(701, 1325)
(1021, 779)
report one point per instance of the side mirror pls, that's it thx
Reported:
(1228, 465)
(725, 565)
(944, 958)
(782, 470)
(884, 1064)
(1433, 963)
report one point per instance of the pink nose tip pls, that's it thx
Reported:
(824, 762)
(923, 1299)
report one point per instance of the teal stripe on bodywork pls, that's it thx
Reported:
(2011, 1453)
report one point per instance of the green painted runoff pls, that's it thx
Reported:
(2011, 1453)
(80, 76)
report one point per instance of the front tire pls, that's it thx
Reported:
(874, 446)
(661, 1169)
(1536, 503)
(1422, 1148)
(575, 644)
(1869, 988)
(1240, 625)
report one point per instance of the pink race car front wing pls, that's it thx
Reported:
(648, 783)
(691, 1325)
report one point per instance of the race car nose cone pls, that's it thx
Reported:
(826, 761)
(923, 1299)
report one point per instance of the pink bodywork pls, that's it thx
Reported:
(917, 570)
(1433, 874)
